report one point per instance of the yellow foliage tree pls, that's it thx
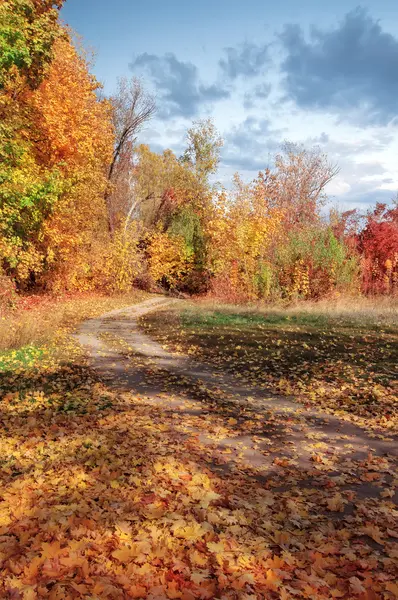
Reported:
(168, 259)
(122, 260)
(240, 232)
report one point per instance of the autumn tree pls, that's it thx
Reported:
(28, 29)
(203, 149)
(132, 108)
(55, 144)
(28, 190)
(241, 230)
(76, 139)
(302, 176)
(165, 189)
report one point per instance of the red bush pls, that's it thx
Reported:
(378, 244)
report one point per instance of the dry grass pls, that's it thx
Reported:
(38, 319)
(359, 310)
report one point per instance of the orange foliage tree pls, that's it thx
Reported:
(76, 138)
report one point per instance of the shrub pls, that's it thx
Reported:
(312, 263)
(122, 260)
(169, 261)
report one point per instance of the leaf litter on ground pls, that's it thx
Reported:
(107, 495)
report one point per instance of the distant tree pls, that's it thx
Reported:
(302, 176)
(162, 185)
(132, 108)
(204, 147)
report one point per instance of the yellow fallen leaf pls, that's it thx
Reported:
(123, 554)
(216, 547)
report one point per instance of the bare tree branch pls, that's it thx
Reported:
(132, 108)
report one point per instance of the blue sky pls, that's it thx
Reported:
(311, 72)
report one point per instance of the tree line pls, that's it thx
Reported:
(84, 206)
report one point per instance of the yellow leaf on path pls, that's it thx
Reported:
(197, 558)
(337, 593)
(123, 530)
(273, 581)
(29, 593)
(209, 497)
(51, 550)
(241, 582)
(189, 531)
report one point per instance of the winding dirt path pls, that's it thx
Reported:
(248, 430)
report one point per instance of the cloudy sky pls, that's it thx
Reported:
(313, 72)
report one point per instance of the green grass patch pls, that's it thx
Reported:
(23, 358)
(249, 320)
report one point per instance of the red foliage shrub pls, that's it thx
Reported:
(378, 245)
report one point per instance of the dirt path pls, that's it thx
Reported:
(246, 429)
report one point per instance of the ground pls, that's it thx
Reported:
(215, 467)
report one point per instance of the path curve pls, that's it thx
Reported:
(128, 359)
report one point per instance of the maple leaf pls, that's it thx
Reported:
(356, 586)
(216, 547)
(336, 503)
(372, 531)
(190, 531)
(198, 559)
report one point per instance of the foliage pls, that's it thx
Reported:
(378, 245)
(56, 143)
(169, 260)
(241, 232)
(78, 139)
(312, 263)
(122, 261)
(74, 184)
(28, 29)
(203, 149)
